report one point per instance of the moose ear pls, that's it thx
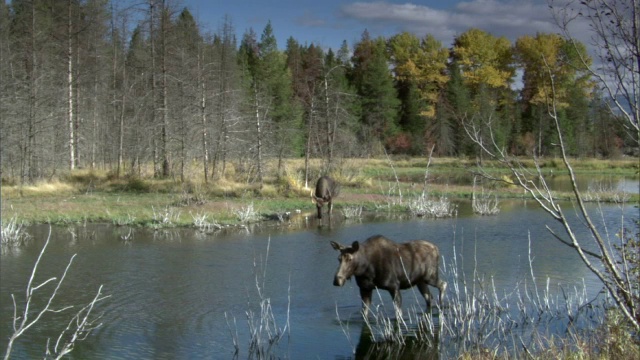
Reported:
(355, 246)
(336, 246)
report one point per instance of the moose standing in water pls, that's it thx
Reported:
(326, 190)
(381, 263)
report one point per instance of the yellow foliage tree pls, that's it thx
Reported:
(545, 57)
(422, 61)
(484, 59)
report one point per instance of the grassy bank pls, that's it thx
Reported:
(98, 196)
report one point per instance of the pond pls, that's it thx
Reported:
(182, 294)
(557, 182)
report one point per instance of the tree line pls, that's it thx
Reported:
(84, 83)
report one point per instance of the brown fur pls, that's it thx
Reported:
(326, 190)
(381, 263)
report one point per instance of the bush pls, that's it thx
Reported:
(135, 184)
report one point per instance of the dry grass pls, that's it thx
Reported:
(97, 195)
(55, 187)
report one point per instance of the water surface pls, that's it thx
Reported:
(181, 294)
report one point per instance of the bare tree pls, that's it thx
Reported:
(610, 262)
(615, 35)
(70, 82)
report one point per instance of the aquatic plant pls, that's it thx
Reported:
(13, 233)
(246, 214)
(265, 332)
(352, 212)
(166, 217)
(482, 203)
(424, 206)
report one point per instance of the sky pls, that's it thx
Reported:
(328, 23)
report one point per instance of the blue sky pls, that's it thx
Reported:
(328, 22)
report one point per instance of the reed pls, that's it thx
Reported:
(204, 224)
(246, 214)
(165, 217)
(13, 233)
(352, 212)
(265, 331)
(425, 206)
(484, 204)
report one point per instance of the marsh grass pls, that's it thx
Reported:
(482, 203)
(204, 224)
(165, 217)
(426, 206)
(390, 185)
(264, 329)
(352, 212)
(13, 233)
(600, 192)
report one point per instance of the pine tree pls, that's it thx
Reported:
(378, 96)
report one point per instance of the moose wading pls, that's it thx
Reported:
(381, 263)
(326, 190)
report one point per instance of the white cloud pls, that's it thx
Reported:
(382, 11)
(509, 18)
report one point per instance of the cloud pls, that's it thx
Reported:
(309, 19)
(382, 11)
(509, 18)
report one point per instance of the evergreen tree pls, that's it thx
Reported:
(378, 96)
(273, 108)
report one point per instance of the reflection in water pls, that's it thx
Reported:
(426, 349)
(170, 290)
(557, 182)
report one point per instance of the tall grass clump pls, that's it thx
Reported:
(203, 224)
(352, 212)
(264, 330)
(484, 204)
(13, 233)
(599, 192)
(424, 206)
(165, 217)
(247, 214)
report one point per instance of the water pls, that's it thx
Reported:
(558, 182)
(180, 294)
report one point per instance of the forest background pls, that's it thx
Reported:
(144, 92)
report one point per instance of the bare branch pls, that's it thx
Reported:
(23, 322)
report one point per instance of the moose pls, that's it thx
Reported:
(381, 263)
(326, 190)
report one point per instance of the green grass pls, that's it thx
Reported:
(97, 196)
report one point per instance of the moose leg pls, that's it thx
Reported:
(330, 208)
(442, 286)
(365, 294)
(424, 290)
(397, 301)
